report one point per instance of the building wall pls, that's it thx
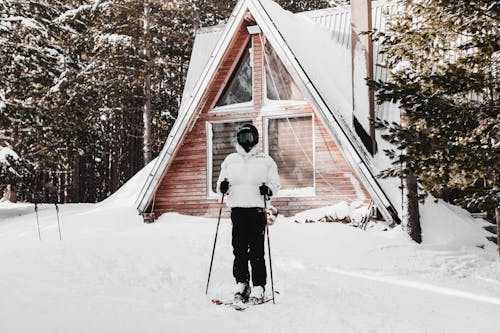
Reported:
(184, 186)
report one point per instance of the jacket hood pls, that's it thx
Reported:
(254, 151)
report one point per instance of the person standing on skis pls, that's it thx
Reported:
(248, 177)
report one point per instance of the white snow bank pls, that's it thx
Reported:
(446, 224)
(340, 211)
(122, 275)
(10, 209)
(126, 195)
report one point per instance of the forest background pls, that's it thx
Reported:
(90, 89)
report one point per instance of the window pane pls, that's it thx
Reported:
(291, 147)
(239, 87)
(223, 144)
(279, 83)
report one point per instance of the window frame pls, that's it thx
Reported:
(237, 107)
(278, 102)
(301, 192)
(211, 195)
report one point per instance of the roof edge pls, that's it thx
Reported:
(150, 186)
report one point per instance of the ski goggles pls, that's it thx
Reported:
(246, 138)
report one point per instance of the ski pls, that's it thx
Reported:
(239, 306)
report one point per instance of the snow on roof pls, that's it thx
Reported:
(337, 21)
(204, 45)
(329, 26)
(318, 54)
(308, 50)
(126, 195)
(332, 39)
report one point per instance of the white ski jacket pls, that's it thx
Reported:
(246, 172)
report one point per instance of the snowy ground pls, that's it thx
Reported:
(112, 273)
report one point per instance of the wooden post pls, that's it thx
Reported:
(413, 225)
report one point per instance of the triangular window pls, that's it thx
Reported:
(239, 87)
(279, 83)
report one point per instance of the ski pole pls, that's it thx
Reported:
(269, 247)
(37, 222)
(215, 242)
(58, 224)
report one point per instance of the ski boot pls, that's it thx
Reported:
(242, 292)
(257, 295)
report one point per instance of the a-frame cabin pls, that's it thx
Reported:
(287, 75)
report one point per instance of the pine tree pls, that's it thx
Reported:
(14, 171)
(304, 5)
(31, 65)
(74, 86)
(444, 62)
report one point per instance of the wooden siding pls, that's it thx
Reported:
(185, 187)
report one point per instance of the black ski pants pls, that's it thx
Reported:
(248, 244)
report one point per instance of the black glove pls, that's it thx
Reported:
(224, 186)
(264, 190)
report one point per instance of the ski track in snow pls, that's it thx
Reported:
(419, 285)
(113, 273)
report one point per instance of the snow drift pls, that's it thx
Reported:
(113, 273)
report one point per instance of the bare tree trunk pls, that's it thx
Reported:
(66, 185)
(75, 184)
(60, 190)
(13, 194)
(497, 217)
(196, 19)
(110, 172)
(413, 226)
(116, 174)
(147, 88)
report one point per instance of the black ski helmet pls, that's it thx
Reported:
(247, 136)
